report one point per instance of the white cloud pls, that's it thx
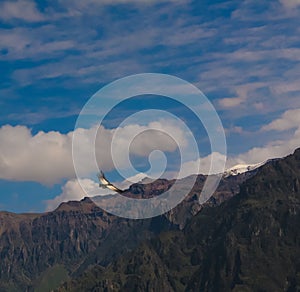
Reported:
(21, 9)
(289, 120)
(134, 179)
(285, 87)
(44, 157)
(276, 149)
(47, 157)
(242, 91)
(235, 130)
(230, 102)
(148, 138)
(14, 39)
(83, 6)
(75, 190)
(202, 165)
(290, 3)
(72, 190)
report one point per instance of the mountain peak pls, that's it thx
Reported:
(242, 168)
(297, 152)
(85, 205)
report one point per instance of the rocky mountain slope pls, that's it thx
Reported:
(38, 251)
(249, 243)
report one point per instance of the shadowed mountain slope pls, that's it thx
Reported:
(38, 251)
(249, 243)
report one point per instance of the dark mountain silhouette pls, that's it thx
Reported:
(41, 250)
(230, 244)
(249, 243)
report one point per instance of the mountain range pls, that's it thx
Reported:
(245, 238)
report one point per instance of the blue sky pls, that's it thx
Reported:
(54, 55)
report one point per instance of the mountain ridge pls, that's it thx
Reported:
(79, 235)
(249, 243)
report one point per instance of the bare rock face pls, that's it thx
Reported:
(78, 235)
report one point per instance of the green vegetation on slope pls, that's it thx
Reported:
(51, 279)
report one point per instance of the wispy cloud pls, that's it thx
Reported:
(230, 102)
(245, 59)
(25, 10)
(290, 3)
(289, 120)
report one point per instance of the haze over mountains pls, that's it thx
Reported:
(245, 238)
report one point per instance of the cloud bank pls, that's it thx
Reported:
(46, 157)
(73, 190)
(280, 148)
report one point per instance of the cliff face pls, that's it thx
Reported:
(249, 243)
(34, 243)
(66, 242)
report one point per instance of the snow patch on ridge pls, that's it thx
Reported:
(242, 168)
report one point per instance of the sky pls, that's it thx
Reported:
(55, 55)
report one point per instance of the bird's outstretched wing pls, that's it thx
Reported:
(104, 183)
(103, 180)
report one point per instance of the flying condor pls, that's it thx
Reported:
(106, 184)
